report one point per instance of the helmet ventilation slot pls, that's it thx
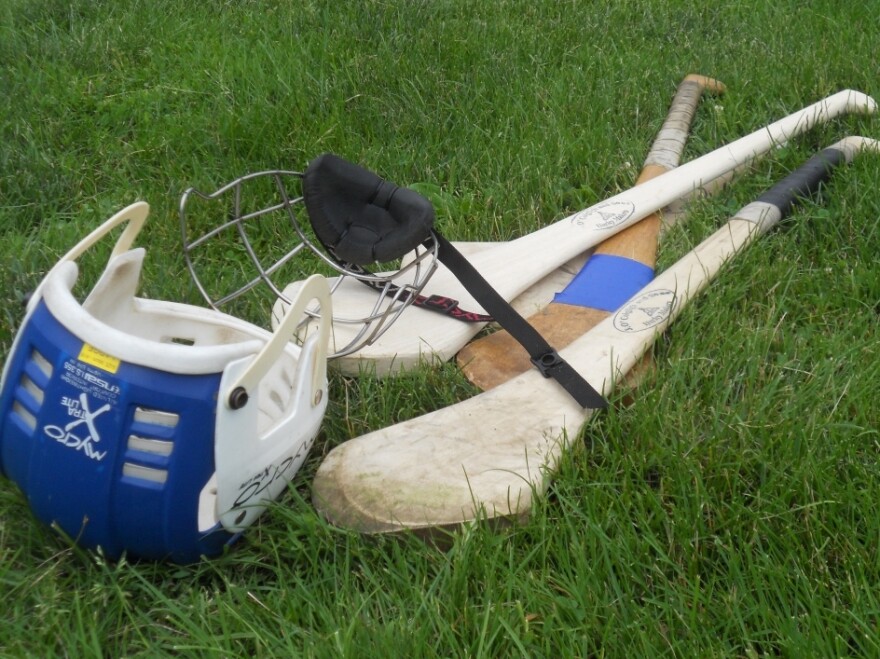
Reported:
(30, 392)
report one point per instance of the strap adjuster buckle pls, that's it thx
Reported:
(546, 362)
(441, 303)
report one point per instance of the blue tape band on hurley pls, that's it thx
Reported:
(605, 282)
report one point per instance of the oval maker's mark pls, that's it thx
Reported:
(605, 216)
(645, 311)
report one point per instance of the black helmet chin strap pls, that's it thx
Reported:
(544, 357)
(361, 218)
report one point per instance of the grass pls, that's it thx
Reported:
(731, 511)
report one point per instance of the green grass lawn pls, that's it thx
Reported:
(732, 510)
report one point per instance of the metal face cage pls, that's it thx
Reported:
(263, 216)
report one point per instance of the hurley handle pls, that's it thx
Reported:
(618, 268)
(774, 204)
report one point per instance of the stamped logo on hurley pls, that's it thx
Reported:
(605, 216)
(645, 311)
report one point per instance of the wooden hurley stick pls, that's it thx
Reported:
(618, 268)
(418, 335)
(490, 456)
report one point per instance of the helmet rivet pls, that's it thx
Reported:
(238, 398)
(319, 395)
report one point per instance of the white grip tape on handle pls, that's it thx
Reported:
(669, 143)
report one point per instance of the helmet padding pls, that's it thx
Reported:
(359, 216)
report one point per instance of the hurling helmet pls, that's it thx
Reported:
(157, 429)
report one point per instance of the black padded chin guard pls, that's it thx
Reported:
(359, 216)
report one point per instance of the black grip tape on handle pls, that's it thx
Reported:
(803, 181)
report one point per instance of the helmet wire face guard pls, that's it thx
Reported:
(358, 219)
(336, 219)
(157, 429)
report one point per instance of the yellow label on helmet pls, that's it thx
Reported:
(95, 357)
